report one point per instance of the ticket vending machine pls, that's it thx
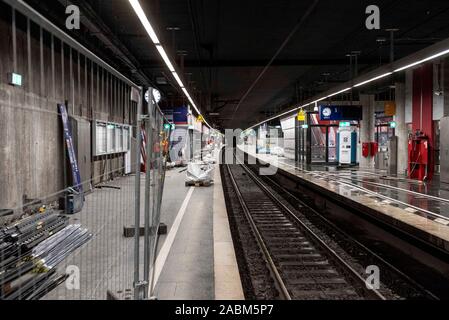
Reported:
(347, 146)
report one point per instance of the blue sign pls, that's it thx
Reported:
(70, 149)
(180, 115)
(340, 113)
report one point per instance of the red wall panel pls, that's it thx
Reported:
(422, 110)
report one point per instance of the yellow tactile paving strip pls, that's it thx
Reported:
(228, 285)
(423, 228)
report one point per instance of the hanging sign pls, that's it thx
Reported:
(344, 124)
(301, 115)
(340, 113)
(390, 108)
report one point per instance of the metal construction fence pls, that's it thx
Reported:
(96, 238)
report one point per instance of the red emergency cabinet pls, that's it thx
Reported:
(419, 158)
(366, 149)
(369, 149)
(374, 148)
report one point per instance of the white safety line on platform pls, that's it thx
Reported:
(165, 250)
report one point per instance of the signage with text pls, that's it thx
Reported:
(340, 113)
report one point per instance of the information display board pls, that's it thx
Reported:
(339, 113)
(110, 138)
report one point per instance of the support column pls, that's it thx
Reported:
(367, 127)
(445, 80)
(401, 128)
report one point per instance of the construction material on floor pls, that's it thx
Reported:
(30, 251)
(199, 174)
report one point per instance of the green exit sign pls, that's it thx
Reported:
(15, 79)
(345, 124)
(169, 126)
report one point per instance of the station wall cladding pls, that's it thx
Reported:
(31, 142)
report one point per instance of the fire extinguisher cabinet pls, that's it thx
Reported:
(419, 159)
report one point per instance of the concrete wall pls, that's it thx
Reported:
(31, 153)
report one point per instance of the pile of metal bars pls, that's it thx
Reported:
(30, 251)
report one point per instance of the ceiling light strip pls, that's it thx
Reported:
(373, 79)
(178, 80)
(164, 57)
(152, 34)
(429, 58)
(439, 54)
(144, 20)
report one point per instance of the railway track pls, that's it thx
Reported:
(303, 262)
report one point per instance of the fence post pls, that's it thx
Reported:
(148, 206)
(137, 283)
(161, 177)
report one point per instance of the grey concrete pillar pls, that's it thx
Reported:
(367, 126)
(445, 85)
(401, 128)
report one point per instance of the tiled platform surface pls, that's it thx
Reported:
(434, 230)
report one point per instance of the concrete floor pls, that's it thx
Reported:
(107, 261)
(201, 263)
(188, 272)
(185, 262)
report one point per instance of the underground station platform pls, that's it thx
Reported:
(215, 158)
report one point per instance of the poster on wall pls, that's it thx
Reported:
(179, 145)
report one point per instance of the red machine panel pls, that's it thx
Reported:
(419, 159)
(374, 148)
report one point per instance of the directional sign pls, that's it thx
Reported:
(390, 108)
(301, 115)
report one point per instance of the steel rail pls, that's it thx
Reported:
(373, 293)
(273, 269)
(336, 229)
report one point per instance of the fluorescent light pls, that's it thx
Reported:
(165, 57)
(337, 93)
(439, 54)
(178, 80)
(186, 92)
(143, 18)
(373, 79)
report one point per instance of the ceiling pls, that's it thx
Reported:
(225, 44)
